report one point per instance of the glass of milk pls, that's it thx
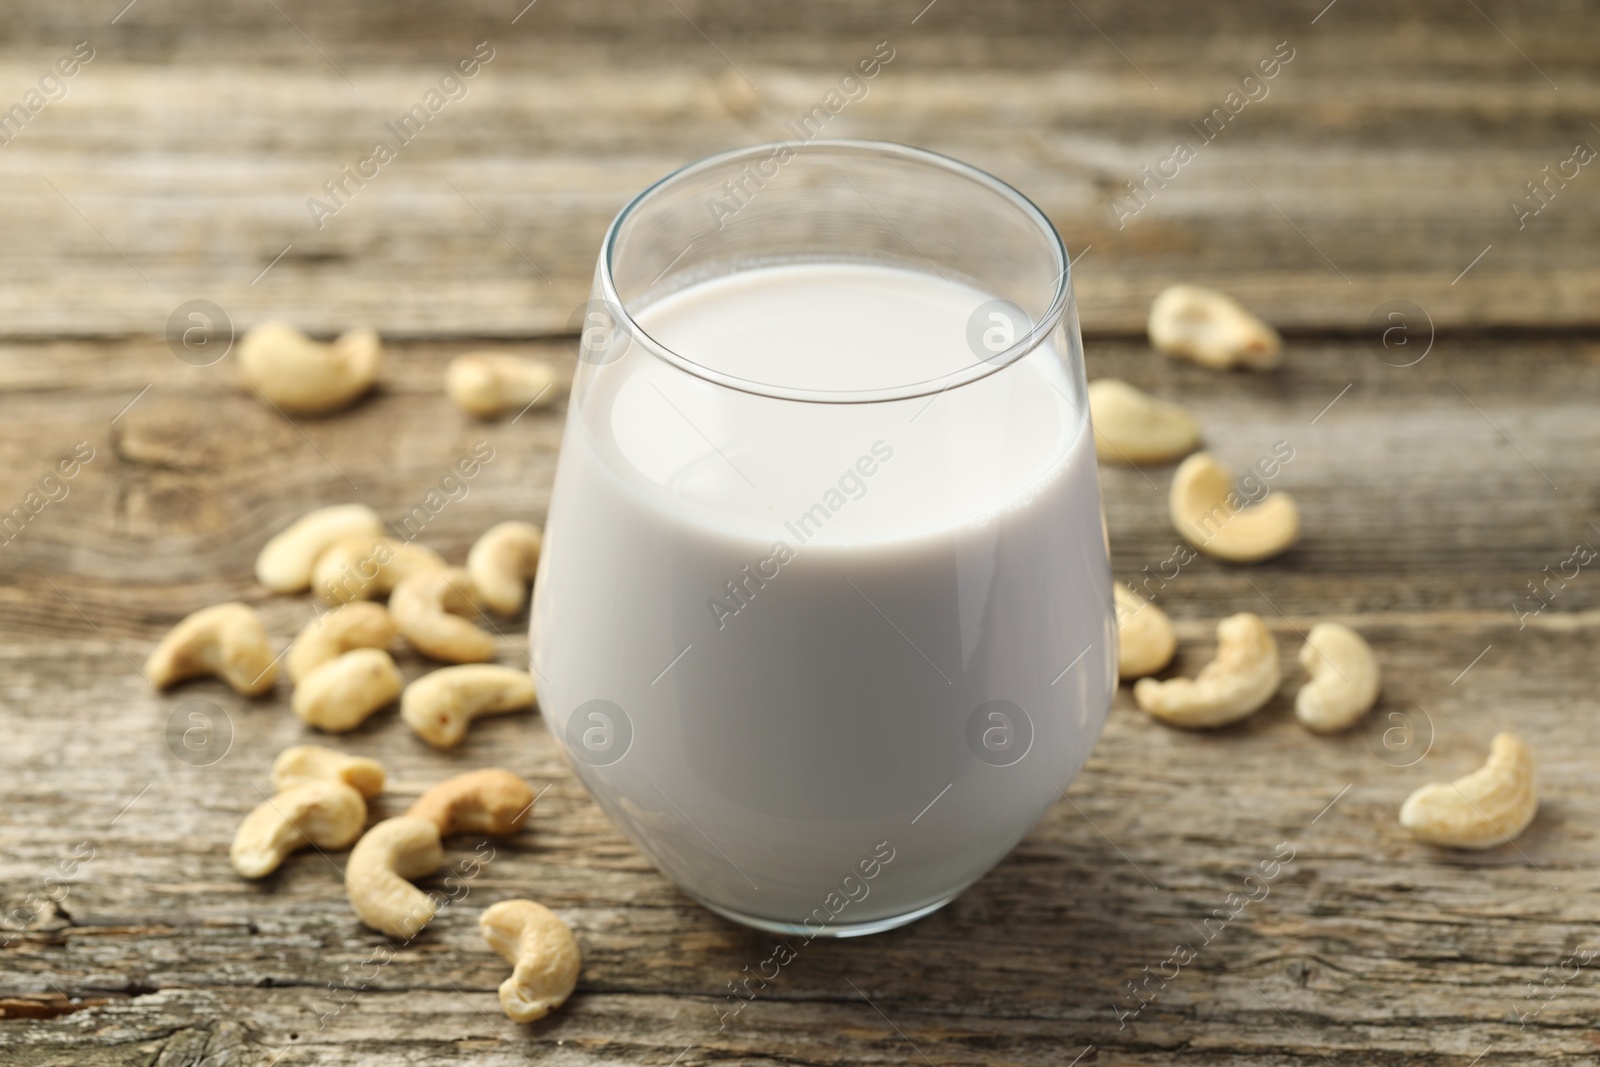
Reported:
(824, 617)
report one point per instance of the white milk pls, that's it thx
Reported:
(799, 608)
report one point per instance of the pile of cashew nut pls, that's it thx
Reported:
(342, 671)
(397, 851)
(340, 663)
(321, 802)
(1488, 807)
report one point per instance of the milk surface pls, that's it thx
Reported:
(824, 663)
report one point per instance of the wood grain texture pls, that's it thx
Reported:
(1378, 167)
(1422, 525)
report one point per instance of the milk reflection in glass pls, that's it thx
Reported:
(824, 659)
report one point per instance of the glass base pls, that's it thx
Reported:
(874, 926)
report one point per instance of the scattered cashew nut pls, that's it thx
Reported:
(490, 801)
(737, 94)
(285, 562)
(1214, 518)
(313, 763)
(1488, 807)
(440, 705)
(502, 563)
(1241, 679)
(541, 948)
(492, 383)
(1212, 329)
(1344, 679)
(427, 608)
(225, 640)
(1131, 426)
(1145, 638)
(358, 624)
(378, 875)
(327, 814)
(342, 693)
(300, 375)
(359, 568)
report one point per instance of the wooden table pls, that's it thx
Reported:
(1378, 167)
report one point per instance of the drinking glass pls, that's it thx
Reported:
(823, 620)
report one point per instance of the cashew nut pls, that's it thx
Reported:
(326, 814)
(359, 568)
(1145, 638)
(1131, 426)
(542, 950)
(224, 640)
(440, 705)
(502, 563)
(1212, 329)
(736, 93)
(1241, 679)
(1214, 518)
(490, 801)
(378, 874)
(340, 695)
(300, 375)
(1488, 807)
(285, 562)
(313, 763)
(1344, 679)
(358, 624)
(492, 383)
(428, 609)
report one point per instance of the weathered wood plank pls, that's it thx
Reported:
(1424, 487)
(1422, 525)
(1383, 161)
(1033, 32)
(1372, 945)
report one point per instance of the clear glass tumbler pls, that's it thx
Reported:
(824, 618)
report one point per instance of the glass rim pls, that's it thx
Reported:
(977, 371)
